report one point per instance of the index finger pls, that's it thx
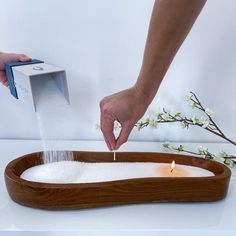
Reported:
(17, 57)
(107, 126)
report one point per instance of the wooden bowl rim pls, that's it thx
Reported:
(9, 173)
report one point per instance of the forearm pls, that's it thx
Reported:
(170, 23)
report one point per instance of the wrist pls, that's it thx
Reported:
(146, 88)
(143, 93)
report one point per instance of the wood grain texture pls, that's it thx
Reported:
(128, 191)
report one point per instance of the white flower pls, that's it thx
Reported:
(188, 98)
(152, 123)
(159, 114)
(201, 150)
(219, 159)
(165, 116)
(204, 122)
(193, 105)
(209, 112)
(184, 124)
(223, 154)
(195, 120)
(229, 162)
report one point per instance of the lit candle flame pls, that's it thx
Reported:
(172, 166)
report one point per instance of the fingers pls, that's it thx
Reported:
(10, 57)
(107, 126)
(24, 58)
(124, 134)
(18, 57)
(3, 78)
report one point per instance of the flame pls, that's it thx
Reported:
(172, 166)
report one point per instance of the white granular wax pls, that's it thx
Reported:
(80, 172)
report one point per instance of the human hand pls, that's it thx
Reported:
(9, 57)
(126, 107)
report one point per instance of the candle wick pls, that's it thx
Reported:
(171, 170)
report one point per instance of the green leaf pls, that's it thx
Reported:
(177, 114)
(181, 148)
(166, 145)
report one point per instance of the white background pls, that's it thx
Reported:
(100, 44)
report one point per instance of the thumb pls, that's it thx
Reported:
(124, 134)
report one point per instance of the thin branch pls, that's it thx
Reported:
(205, 153)
(204, 110)
(212, 127)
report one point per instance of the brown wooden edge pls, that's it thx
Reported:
(139, 190)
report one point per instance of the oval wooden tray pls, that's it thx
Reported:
(128, 191)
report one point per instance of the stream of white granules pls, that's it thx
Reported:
(53, 116)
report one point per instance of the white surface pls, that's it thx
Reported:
(82, 172)
(215, 218)
(100, 44)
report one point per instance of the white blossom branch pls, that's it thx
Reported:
(222, 157)
(206, 122)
